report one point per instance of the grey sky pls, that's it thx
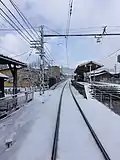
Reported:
(53, 13)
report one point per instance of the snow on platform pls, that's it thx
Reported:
(108, 84)
(105, 123)
(87, 89)
(75, 140)
(31, 128)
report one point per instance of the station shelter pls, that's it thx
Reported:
(85, 68)
(13, 65)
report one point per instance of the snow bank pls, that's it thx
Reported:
(87, 89)
(33, 128)
(105, 123)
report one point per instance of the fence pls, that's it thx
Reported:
(110, 100)
(11, 103)
(79, 87)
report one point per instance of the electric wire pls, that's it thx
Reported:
(17, 20)
(109, 55)
(24, 36)
(70, 8)
(24, 19)
(51, 29)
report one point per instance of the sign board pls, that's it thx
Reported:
(118, 58)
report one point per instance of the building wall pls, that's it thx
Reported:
(25, 78)
(1, 87)
(55, 71)
(103, 77)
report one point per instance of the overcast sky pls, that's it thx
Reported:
(54, 13)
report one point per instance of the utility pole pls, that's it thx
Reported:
(39, 46)
(115, 66)
(42, 55)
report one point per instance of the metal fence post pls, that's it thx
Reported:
(101, 96)
(95, 92)
(32, 95)
(26, 95)
(110, 101)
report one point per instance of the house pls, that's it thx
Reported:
(101, 75)
(84, 68)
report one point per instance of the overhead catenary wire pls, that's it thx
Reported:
(70, 8)
(15, 27)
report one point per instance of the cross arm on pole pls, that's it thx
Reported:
(82, 35)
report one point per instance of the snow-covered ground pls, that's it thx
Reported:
(75, 139)
(31, 128)
(105, 123)
(87, 89)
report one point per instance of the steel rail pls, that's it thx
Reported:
(99, 144)
(56, 134)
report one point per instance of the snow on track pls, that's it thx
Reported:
(75, 139)
(105, 123)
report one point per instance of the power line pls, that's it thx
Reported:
(24, 19)
(52, 30)
(21, 54)
(72, 30)
(7, 50)
(16, 55)
(17, 20)
(48, 56)
(29, 55)
(109, 55)
(70, 8)
(49, 52)
(24, 36)
(14, 24)
(55, 31)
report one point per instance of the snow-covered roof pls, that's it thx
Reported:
(90, 62)
(100, 70)
(3, 76)
(85, 67)
(100, 73)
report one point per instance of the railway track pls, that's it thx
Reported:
(99, 144)
(56, 133)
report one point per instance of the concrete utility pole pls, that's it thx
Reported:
(42, 64)
(39, 46)
(115, 66)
